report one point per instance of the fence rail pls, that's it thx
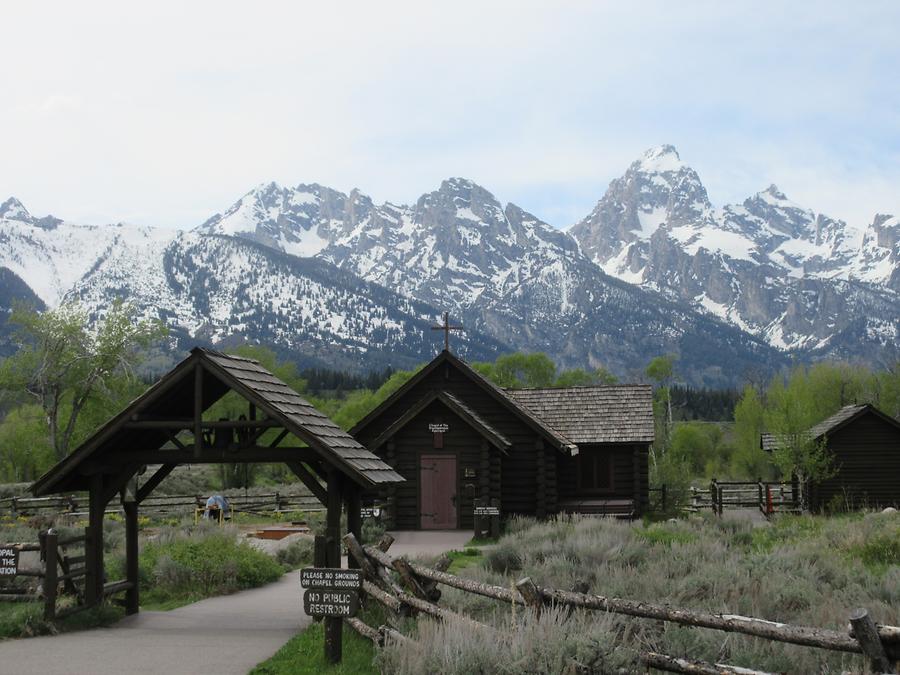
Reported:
(76, 506)
(769, 497)
(880, 645)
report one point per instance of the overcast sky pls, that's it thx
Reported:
(166, 114)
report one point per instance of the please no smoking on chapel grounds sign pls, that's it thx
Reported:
(330, 591)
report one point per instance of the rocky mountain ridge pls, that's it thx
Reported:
(654, 268)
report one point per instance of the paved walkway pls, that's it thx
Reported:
(227, 635)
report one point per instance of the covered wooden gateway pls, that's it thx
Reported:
(864, 444)
(166, 427)
(456, 438)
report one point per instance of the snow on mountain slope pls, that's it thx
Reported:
(498, 268)
(218, 290)
(52, 259)
(796, 278)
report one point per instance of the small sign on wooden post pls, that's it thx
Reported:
(331, 592)
(487, 518)
(9, 561)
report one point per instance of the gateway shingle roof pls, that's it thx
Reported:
(299, 414)
(598, 414)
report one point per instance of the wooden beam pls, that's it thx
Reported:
(281, 436)
(309, 481)
(182, 424)
(153, 482)
(115, 483)
(257, 454)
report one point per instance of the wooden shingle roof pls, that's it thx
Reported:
(173, 397)
(300, 417)
(555, 438)
(830, 424)
(452, 402)
(595, 414)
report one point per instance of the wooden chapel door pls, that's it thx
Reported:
(437, 476)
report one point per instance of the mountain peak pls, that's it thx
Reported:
(458, 183)
(13, 209)
(660, 159)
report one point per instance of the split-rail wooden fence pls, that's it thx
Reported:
(75, 507)
(407, 588)
(63, 570)
(770, 498)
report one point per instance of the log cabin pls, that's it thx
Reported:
(864, 444)
(456, 438)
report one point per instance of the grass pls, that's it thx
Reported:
(304, 655)
(802, 570)
(26, 619)
(460, 560)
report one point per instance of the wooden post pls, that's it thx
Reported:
(333, 625)
(713, 491)
(354, 517)
(320, 552)
(132, 595)
(866, 633)
(403, 568)
(385, 542)
(93, 593)
(531, 594)
(390, 518)
(495, 520)
(636, 482)
(477, 519)
(759, 494)
(198, 410)
(49, 541)
(541, 480)
(320, 558)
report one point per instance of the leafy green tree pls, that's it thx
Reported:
(579, 378)
(662, 371)
(792, 408)
(519, 370)
(25, 451)
(360, 403)
(750, 460)
(65, 365)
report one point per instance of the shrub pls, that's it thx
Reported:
(802, 570)
(200, 562)
(296, 554)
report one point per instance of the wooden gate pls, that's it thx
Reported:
(438, 492)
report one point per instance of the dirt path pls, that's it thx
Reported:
(227, 635)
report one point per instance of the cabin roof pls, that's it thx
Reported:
(453, 403)
(830, 424)
(172, 397)
(594, 414)
(557, 439)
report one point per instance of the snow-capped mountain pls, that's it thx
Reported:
(655, 268)
(796, 278)
(217, 290)
(499, 268)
